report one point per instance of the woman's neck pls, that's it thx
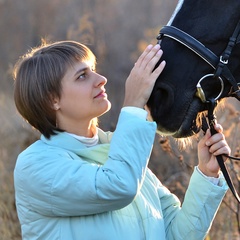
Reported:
(87, 130)
(88, 142)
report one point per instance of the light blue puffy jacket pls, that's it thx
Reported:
(67, 191)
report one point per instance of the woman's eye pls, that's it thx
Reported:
(82, 76)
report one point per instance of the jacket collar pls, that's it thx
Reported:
(97, 154)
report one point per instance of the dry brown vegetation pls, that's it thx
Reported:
(116, 31)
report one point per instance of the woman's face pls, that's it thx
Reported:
(83, 96)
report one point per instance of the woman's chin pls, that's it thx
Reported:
(106, 108)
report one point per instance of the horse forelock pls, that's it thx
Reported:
(175, 12)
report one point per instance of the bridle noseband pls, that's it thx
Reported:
(221, 70)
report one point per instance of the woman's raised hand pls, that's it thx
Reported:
(141, 80)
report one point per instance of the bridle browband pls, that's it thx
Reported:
(221, 70)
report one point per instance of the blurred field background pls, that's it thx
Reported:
(116, 31)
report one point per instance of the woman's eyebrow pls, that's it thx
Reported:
(80, 70)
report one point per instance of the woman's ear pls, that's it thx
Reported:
(55, 103)
(56, 106)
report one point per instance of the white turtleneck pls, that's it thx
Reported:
(88, 142)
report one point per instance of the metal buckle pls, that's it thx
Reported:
(200, 93)
(225, 62)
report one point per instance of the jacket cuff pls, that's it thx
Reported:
(139, 112)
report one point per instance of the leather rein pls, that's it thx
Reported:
(220, 70)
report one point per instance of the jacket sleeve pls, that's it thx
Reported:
(55, 186)
(192, 221)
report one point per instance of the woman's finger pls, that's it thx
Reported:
(225, 150)
(146, 59)
(143, 55)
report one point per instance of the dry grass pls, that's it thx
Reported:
(13, 139)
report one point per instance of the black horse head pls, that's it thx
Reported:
(173, 103)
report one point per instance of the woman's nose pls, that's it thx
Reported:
(100, 80)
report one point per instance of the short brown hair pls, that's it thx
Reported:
(38, 75)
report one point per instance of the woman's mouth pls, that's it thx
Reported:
(102, 94)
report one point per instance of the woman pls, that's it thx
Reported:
(78, 182)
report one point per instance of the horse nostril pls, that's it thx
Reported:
(161, 100)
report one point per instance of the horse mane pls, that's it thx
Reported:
(178, 7)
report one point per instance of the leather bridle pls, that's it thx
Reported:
(220, 71)
(219, 64)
